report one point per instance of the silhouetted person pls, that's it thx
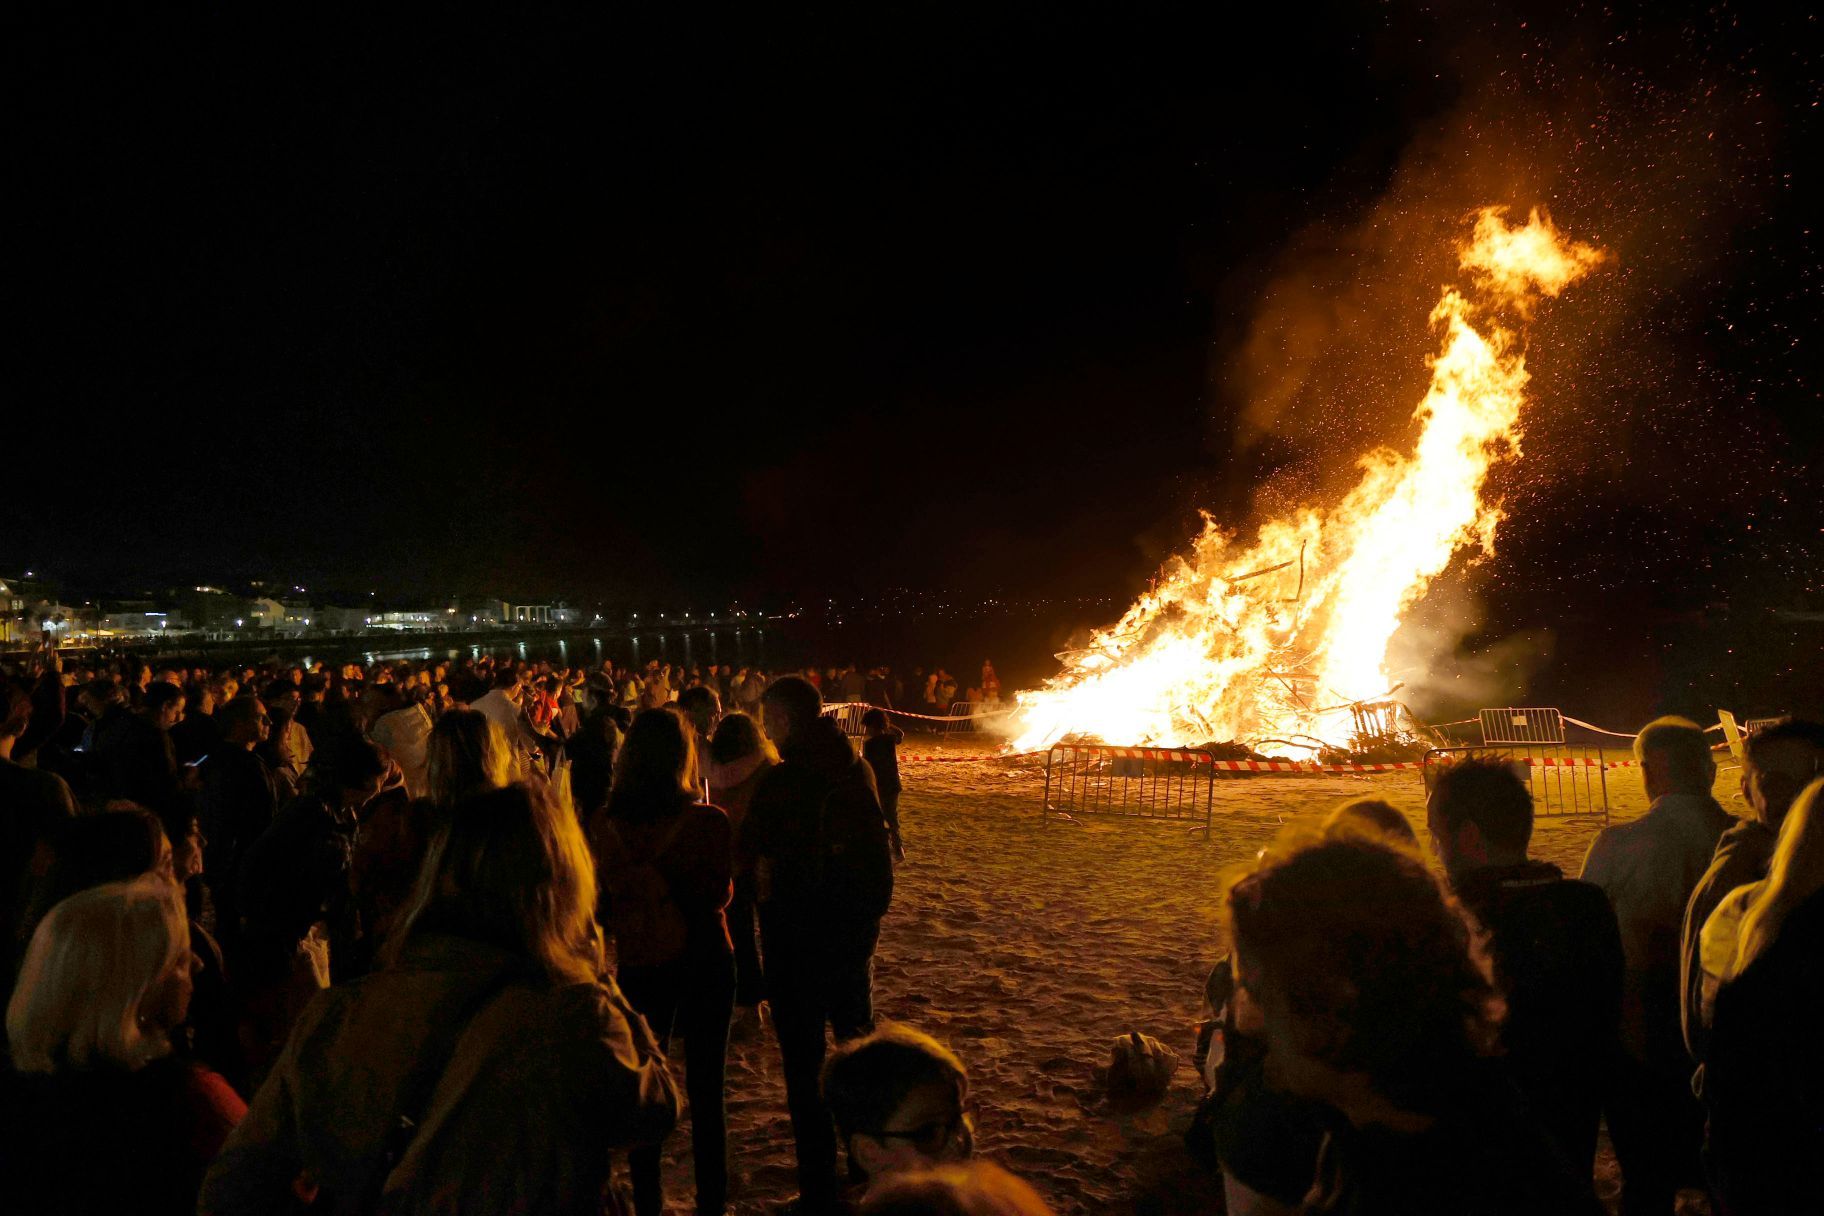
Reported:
(881, 751)
(1556, 946)
(1764, 1079)
(1377, 1002)
(236, 806)
(665, 860)
(823, 872)
(33, 807)
(1648, 869)
(1776, 764)
(196, 735)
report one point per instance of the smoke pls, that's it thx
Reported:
(1444, 664)
(1661, 158)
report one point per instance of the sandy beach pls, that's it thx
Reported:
(1029, 947)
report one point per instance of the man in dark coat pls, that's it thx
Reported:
(235, 807)
(817, 843)
(1556, 947)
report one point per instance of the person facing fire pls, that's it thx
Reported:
(1556, 945)
(1377, 1000)
(817, 844)
(1649, 868)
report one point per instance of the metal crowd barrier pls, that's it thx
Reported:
(1564, 779)
(1173, 784)
(847, 715)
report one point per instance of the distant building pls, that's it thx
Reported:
(526, 614)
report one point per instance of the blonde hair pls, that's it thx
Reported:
(510, 867)
(1795, 875)
(90, 963)
(467, 754)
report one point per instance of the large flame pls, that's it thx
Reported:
(1261, 643)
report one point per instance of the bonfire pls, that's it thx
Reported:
(1279, 643)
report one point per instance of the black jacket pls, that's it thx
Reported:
(817, 842)
(1558, 959)
(1764, 1077)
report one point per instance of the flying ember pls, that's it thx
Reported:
(1263, 642)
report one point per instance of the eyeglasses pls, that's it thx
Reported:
(932, 1138)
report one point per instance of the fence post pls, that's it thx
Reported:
(1045, 803)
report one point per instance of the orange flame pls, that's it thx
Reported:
(1257, 643)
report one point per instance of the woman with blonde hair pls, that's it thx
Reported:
(467, 754)
(489, 1059)
(1763, 1080)
(102, 1115)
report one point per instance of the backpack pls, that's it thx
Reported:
(855, 857)
(648, 926)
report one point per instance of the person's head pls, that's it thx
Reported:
(1777, 763)
(244, 722)
(466, 688)
(200, 699)
(1367, 979)
(467, 754)
(15, 714)
(1371, 819)
(789, 707)
(313, 686)
(701, 707)
(349, 768)
(506, 679)
(1674, 757)
(184, 833)
(874, 722)
(105, 978)
(122, 842)
(656, 769)
(510, 868)
(164, 704)
(974, 1188)
(737, 737)
(899, 1101)
(1480, 814)
(282, 697)
(1795, 875)
(100, 695)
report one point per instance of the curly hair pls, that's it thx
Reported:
(1376, 967)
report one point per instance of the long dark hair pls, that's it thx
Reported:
(656, 771)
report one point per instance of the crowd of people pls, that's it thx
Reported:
(439, 937)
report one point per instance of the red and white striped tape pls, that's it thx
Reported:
(1269, 766)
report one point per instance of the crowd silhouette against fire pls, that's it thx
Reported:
(462, 937)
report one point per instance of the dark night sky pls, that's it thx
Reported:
(987, 302)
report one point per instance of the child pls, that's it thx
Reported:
(898, 1099)
(882, 754)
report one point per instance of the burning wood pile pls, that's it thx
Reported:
(1279, 647)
